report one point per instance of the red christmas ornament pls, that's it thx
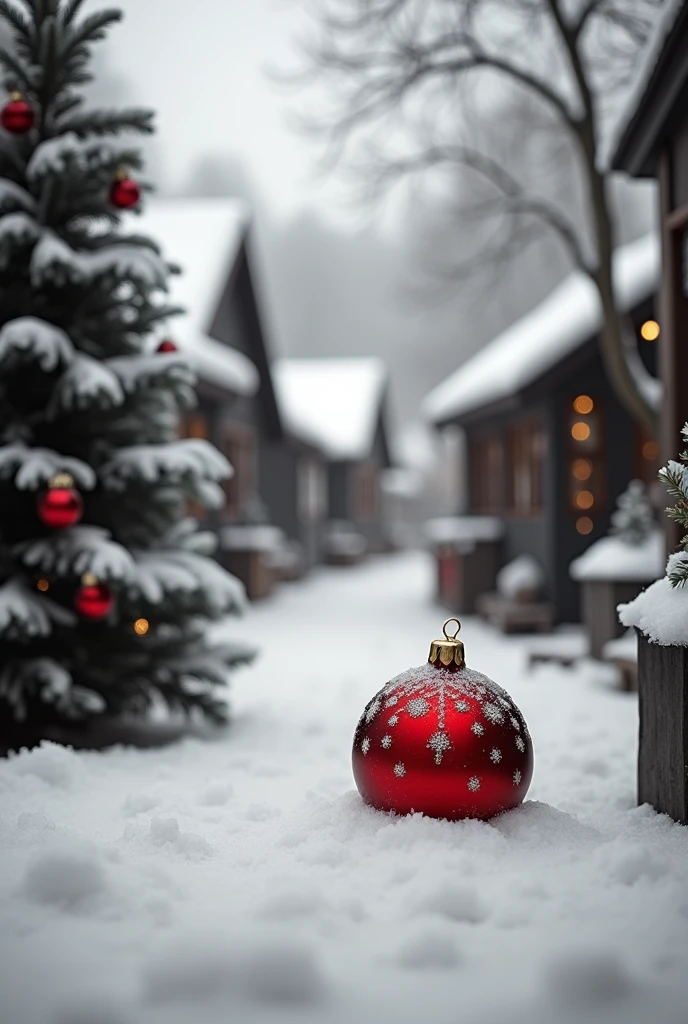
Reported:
(167, 346)
(61, 505)
(93, 600)
(17, 116)
(124, 193)
(444, 740)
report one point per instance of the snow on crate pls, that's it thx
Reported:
(205, 239)
(521, 576)
(611, 558)
(567, 318)
(464, 531)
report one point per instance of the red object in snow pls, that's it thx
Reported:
(167, 346)
(17, 116)
(124, 193)
(443, 740)
(61, 505)
(93, 600)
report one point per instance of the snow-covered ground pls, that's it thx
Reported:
(241, 879)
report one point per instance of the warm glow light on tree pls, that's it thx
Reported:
(580, 431)
(141, 627)
(585, 499)
(582, 469)
(583, 405)
(584, 525)
(43, 585)
(650, 330)
(650, 451)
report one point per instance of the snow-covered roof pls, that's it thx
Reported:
(202, 236)
(611, 558)
(332, 403)
(568, 317)
(644, 71)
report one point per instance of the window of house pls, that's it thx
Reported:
(527, 450)
(312, 490)
(487, 473)
(238, 444)
(366, 491)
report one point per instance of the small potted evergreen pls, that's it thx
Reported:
(660, 615)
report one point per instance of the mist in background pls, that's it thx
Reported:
(337, 277)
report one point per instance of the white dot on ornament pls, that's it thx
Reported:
(515, 723)
(477, 729)
(517, 777)
(386, 742)
(399, 770)
(393, 720)
(520, 744)
(495, 755)
(365, 745)
(391, 701)
(461, 705)
(493, 714)
(474, 783)
(417, 707)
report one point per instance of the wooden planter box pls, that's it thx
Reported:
(663, 747)
(253, 569)
(599, 600)
(464, 573)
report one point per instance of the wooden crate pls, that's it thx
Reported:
(253, 569)
(599, 600)
(463, 574)
(513, 616)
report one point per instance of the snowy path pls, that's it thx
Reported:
(242, 879)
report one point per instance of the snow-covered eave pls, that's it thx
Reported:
(222, 366)
(663, 67)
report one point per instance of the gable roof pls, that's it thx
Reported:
(335, 404)
(568, 317)
(205, 237)
(658, 84)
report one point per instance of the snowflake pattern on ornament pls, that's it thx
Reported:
(365, 745)
(412, 693)
(473, 783)
(517, 777)
(520, 744)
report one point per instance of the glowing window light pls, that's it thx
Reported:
(584, 525)
(583, 405)
(650, 451)
(582, 469)
(585, 499)
(580, 431)
(141, 627)
(650, 330)
(43, 585)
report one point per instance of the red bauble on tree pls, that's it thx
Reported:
(17, 116)
(93, 600)
(61, 505)
(443, 740)
(167, 345)
(125, 193)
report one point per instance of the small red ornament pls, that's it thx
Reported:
(167, 346)
(61, 505)
(124, 193)
(443, 740)
(17, 116)
(93, 600)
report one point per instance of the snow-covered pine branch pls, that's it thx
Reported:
(186, 536)
(68, 153)
(155, 370)
(34, 467)
(16, 230)
(25, 613)
(29, 339)
(632, 520)
(35, 678)
(54, 262)
(675, 476)
(14, 198)
(79, 550)
(85, 383)
(161, 574)
(192, 463)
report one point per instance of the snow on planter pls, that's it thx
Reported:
(661, 611)
(522, 576)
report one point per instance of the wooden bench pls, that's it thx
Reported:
(511, 615)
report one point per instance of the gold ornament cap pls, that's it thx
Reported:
(448, 650)
(61, 480)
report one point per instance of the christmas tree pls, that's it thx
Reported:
(107, 587)
(675, 476)
(632, 520)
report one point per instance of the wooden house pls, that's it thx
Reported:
(548, 446)
(652, 141)
(338, 406)
(223, 334)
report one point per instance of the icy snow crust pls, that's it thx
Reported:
(610, 558)
(243, 880)
(661, 611)
(558, 326)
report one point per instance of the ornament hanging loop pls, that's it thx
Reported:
(448, 651)
(451, 636)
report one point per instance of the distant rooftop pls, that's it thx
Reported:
(332, 403)
(204, 237)
(565, 320)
